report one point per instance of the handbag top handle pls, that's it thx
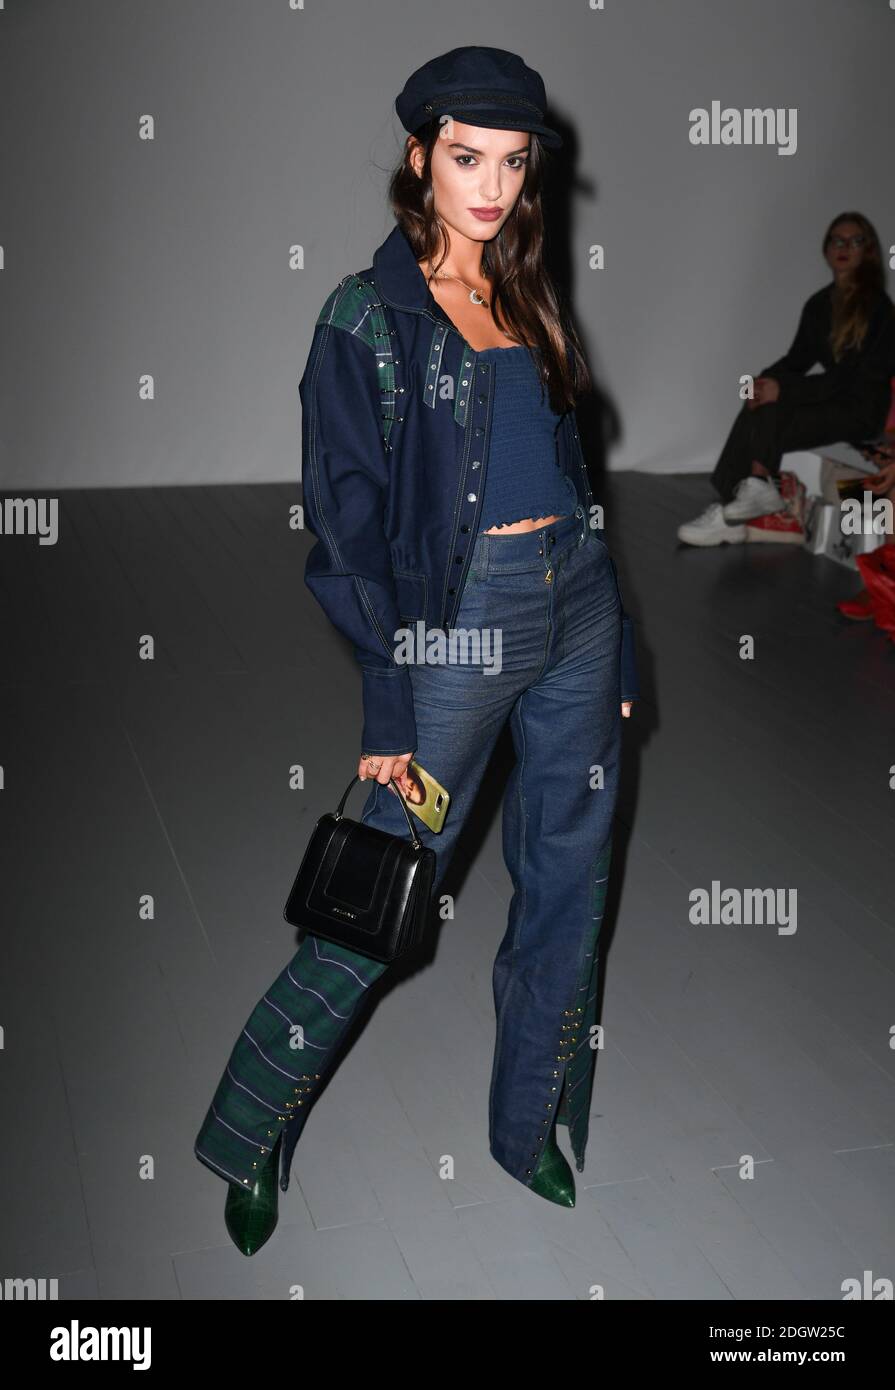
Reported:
(414, 839)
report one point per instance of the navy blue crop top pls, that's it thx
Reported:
(524, 480)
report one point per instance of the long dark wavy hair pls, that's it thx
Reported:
(854, 302)
(521, 287)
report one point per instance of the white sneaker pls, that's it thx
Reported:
(753, 496)
(710, 528)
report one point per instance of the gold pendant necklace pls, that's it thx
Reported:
(474, 296)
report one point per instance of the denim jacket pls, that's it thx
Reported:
(396, 420)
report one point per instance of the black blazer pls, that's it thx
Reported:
(861, 377)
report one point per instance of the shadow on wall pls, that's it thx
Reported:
(598, 417)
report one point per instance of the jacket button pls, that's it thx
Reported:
(470, 496)
(458, 559)
(452, 591)
(464, 528)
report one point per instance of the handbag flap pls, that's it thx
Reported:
(359, 875)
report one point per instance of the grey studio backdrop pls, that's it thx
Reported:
(274, 127)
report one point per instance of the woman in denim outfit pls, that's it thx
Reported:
(455, 329)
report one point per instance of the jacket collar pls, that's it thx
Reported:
(402, 284)
(399, 279)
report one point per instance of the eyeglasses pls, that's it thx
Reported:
(841, 241)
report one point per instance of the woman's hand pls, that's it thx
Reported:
(766, 390)
(883, 481)
(880, 453)
(626, 709)
(377, 767)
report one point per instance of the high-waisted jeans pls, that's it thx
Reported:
(552, 596)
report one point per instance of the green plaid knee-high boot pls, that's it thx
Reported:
(280, 1058)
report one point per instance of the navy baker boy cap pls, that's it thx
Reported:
(478, 86)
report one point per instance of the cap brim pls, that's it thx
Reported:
(499, 120)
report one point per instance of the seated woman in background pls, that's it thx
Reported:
(849, 327)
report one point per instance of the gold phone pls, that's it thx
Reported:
(431, 801)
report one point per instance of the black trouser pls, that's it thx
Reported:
(765, 434)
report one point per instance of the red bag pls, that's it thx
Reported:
(878, 572)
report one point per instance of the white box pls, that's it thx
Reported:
(819, 519)
(818, 469)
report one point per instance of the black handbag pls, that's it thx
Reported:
(361, 887)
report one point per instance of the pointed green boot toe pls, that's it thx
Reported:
(553, 1177)
(250, 1213)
